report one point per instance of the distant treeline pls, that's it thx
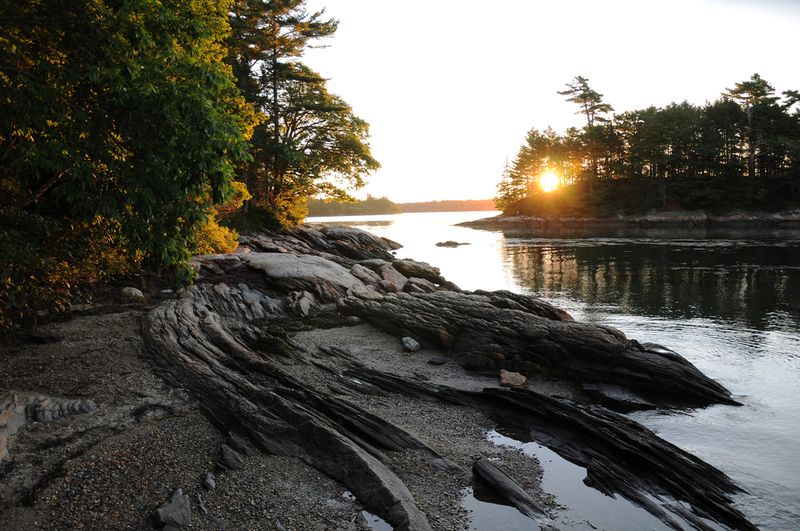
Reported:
(383, 205)
(449, 206)
(741, 151)
(370, 205)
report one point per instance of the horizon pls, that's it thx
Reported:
(448, 110)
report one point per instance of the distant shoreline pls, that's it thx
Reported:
(677, 219)
(384, 206)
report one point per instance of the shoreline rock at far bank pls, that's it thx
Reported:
(684, 219)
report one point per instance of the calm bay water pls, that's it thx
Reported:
(727, 301)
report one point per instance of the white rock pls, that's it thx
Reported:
(132, 294)
(410, 344)
(278, 266)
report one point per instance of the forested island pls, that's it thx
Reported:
(741, 151)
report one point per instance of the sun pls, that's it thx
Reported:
(548, 181)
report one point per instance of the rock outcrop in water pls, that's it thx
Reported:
(216, 340)
(493, 331)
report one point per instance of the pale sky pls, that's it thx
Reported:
(450, 87)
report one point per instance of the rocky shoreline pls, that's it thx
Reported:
(668, 219)
(314, 381)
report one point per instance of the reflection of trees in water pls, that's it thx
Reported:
(757, 285)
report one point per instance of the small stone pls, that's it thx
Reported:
(201, 504)
(511, 379)
(209, 481)
(132, 294)
(410, 344)
(353, 320)
(437, 361)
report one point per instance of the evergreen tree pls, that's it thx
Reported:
(593, 108)
(309, 142)
(754, 95)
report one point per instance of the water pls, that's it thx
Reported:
(728, 301)
(584, 507)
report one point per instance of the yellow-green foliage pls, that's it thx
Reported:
(213, 238)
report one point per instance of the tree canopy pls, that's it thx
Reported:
(123, 111)
(129, 129)
(120, 128)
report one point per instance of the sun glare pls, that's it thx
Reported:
(548, 181)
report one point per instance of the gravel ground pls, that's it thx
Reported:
(111, 468)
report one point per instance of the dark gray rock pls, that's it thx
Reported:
(392, 281)
(437, 361)
(230, 458)
(175, 512)
(209, 343)
(412, 268)
(621, 456)
(241, 445)
(365, 275)
(617, 398)
(18, 408)
(209, 481)
(507, 488)
(420, 285)
(301, 303)
(249, 392)
(375, 264)
(352, 320)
